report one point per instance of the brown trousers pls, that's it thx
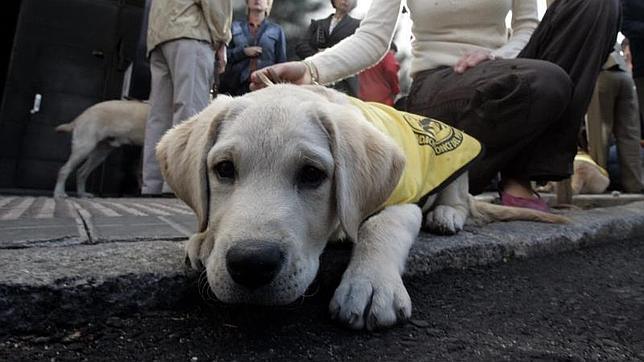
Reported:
(527, 111)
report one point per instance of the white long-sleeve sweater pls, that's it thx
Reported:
(443, 30)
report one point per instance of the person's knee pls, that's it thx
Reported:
(552, 87)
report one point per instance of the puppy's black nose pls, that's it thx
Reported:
(254, 263)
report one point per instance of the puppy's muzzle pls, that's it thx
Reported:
(254, 263)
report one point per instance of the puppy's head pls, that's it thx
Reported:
(271, 175)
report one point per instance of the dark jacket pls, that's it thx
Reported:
(318, 37)
(633, 29)
(270, 37)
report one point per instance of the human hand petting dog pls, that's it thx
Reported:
(289, 72)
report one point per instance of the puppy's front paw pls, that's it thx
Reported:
(445, 220)
(370, 299)
(197, 249)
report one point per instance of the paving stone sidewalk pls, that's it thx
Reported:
(40, 221)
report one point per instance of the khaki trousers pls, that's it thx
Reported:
(182, 73)
(613, 110)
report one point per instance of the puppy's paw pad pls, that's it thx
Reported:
(445, 220)
(371, 301)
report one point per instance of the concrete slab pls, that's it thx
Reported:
(32, 232)
(582, 201)
(65, 285)
(135, 228)
(496, 242)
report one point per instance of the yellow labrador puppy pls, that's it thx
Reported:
(588, 177)
(95, 133)
(274, 174)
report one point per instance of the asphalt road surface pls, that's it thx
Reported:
(583, 305)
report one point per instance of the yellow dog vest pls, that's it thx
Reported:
(584, 157)
(435, 152)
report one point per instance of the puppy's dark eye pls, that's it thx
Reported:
(225, 170)
(310, 177)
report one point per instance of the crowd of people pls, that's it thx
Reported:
(525, 92)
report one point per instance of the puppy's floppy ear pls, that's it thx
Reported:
(182, 154)
(368, 165)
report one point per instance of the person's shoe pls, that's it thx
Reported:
(528, 203)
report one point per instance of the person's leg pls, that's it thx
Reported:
(159, 121)
(505, 104)
(600, 117)
(639, 84)
(627, 134)
(192, 66)
(577, 35)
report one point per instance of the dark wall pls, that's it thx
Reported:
(7, 32)
(74, 54)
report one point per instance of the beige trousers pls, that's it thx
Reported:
(182, 73)
(613, 111)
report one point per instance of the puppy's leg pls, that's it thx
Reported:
(78, 154)
(372, 293)
(451, 208)
(98, 155)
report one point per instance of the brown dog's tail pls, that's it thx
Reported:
(65, 127)
(488, 212)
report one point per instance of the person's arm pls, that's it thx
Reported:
(362, 49)
(280, 47)
(236, 50)
(359, 51)
(525, 19)
(305, 48)
(219, 17)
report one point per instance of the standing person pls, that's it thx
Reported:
(523, 93)
(633, 29)
(325, 33)
(380, 83)
(614, 111)
(256, 43)
(183, 37)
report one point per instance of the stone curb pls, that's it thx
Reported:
(44, 286)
